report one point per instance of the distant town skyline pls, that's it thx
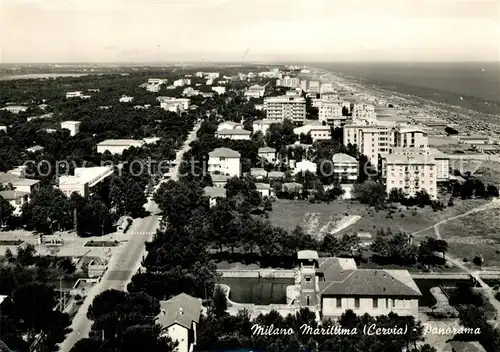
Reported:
(114, 31)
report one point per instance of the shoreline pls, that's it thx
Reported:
(466, 119)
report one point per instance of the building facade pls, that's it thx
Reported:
(409, 172)
(72, 126)
(225, 161)
(285, 108)
(345, 168)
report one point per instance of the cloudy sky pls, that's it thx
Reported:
(253, 30)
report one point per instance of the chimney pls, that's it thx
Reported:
(162, 312)
(181, 311)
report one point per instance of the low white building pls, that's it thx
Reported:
(264, 189)
(35, 149)
(77, 94)
(339, 286)
(72, 126)
(117, 146)
(263, 125)
(3, 128)
(178, 319)
(214, 194)
(229, 125)
(177, 105)
(125, 99)
(15, 109)
(219, 181)
(345, 167)
(15, 198)
(236, 134)
(255, 91)
(84, 180)
(219, 90)
(305, 166)
(268, 154)
(225, 161)
(316, 130)
(17, 179)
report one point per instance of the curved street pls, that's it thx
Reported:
(125, 263)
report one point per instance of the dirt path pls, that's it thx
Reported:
(459, 264)
(493, 204)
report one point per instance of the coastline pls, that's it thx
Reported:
(467, 120)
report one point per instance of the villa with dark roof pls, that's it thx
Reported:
(179, 317)
(335, 285)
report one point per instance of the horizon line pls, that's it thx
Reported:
(264, 62)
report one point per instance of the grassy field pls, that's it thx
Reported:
(322, 218)
(473, 235)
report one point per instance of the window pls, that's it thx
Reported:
(339, 302)
(356, 302)
(375, 303)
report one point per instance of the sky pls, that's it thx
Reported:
(248, 30)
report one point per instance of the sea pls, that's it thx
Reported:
(470, 85)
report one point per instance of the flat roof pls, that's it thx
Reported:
(121, 142)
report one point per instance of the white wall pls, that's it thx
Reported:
(179, 333)
(407, 307)
(226, 166)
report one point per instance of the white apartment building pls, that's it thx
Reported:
(345, 167)
(234, 134)
(224, 160)
(316, 130)
(72, 126)
(219, 90)
(303, 85)
(363, 112)
(331, 113)
(262, 125)
(285, 107)
(314, 87)
(326, 88)
(229, 125)
(177, 105)
(268, 154)
(442, 160)
(410, 137)
(84, 180)
(117, 146)
(290, 82)
(411, 173)
(125, 99)
(255, 91)
(371, 139)
(330, 96)
(178, 319)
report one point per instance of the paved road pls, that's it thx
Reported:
(125, 263)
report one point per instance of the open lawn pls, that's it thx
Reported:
(473, 235)
(320, 219)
